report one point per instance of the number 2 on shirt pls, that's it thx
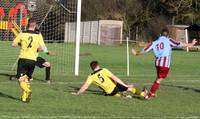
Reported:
(30, 38)
(160, 46)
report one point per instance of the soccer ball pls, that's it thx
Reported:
(128, 96)
(50, 2)
(32, 5)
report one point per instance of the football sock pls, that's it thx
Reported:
(29, 86)
(154, 87)
(133, 90)
(24, 95)
(138, 92)
(118, 95)
(48, 72)
(24, 86)
(142, 94)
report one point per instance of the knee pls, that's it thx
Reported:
(130, 88)
(47, 64)
(23, 79)
(159, 80)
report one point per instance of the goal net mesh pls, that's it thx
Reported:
(52, 17)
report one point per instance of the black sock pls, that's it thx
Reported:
(48, 71)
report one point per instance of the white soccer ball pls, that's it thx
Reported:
(128, 96)
(32, 5)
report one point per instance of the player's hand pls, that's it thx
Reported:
(40, 49)
(51, 53)
(130, 86)
(75, 93)
(134, 52)
(194, 41)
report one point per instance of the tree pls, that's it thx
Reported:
(143, 17)
(177, 9)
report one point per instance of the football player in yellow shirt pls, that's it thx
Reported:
(108, 82)
(41, 62)
(30, 41)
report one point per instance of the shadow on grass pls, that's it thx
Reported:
(96, 92)
(8, 96)
(182, 87)
(11, 77)
(39, 80)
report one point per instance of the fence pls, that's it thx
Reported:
(96, 32)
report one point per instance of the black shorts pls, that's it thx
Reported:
(25, 67)
(117, 89)
(40, 61)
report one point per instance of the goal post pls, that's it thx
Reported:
(51, 15)
(127, 57)
(78, 29)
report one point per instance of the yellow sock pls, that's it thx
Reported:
(31, 79)
(24, 86)
(142, 94)
(29, 86)
(118, 95)
(134, 90)
(137, 92)
(24, 95)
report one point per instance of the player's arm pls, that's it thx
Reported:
(114, 78)
(194, 41)
(83, 88)
(134, 52)
(175, 43)
(45, 50)
(146, 49)
(118, 80)
(43, 47)
(16, 41)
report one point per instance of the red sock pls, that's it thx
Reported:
(154, 87)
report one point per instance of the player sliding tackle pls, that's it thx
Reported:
(30, 42)
(162, 49)
(108, 82)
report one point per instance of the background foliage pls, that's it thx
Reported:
(146, 17)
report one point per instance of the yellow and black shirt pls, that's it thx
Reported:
(102, 78)
(30, 42)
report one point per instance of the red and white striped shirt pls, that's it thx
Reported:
(162, 48)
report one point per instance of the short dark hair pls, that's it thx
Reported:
(32, 22)
(165, 32)
(93, 64)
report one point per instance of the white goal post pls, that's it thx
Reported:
(78, 28)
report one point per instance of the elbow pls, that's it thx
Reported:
(40, 49)
(43, 49)
(14, 45)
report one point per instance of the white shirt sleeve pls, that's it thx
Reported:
(147, 48)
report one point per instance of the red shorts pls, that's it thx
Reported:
(162, 72)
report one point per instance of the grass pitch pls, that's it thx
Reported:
(178, 96)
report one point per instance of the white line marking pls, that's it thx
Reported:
(93, 117)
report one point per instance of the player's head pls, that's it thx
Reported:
(165, 32)
(94, 65)
(32, 24)
(37, 29)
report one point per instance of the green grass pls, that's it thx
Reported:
(178, 96)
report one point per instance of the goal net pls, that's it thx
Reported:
(51, 15)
